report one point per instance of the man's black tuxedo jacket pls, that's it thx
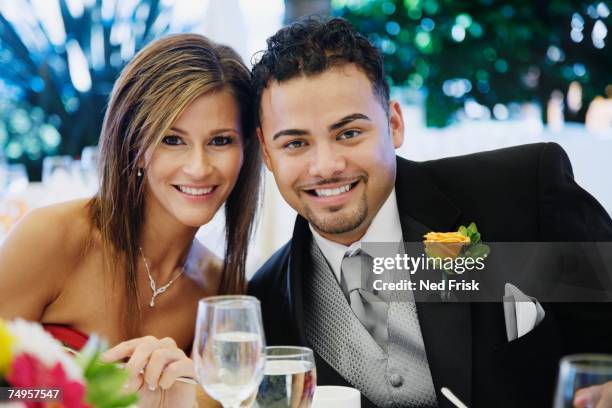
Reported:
(524, 193)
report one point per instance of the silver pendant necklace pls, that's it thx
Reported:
(158, 291)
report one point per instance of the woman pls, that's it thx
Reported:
(177, 142)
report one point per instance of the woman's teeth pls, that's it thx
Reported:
(195, 191)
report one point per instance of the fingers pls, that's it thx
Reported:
(162, 364)
(152, 362)
(126, 349)
(588, 397)
(137, 363)
(179, 368)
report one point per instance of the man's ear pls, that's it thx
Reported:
(264, 148)
(396, 123)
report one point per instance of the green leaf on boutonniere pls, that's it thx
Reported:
(471, 229)
(475, 249)
(475, 238)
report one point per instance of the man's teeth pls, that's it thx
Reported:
(195, 191)
(330, 192)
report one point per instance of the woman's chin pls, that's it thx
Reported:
(192, 219)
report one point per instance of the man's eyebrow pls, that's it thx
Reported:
(348, 119)
(290, 132)
(337, 125)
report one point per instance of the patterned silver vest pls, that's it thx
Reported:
(398, 378)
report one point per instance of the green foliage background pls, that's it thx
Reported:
(41, 112)
(503, 54)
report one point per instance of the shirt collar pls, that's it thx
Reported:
(385, 227)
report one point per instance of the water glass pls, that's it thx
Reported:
(290, 378)
(229, 348)
(581, 371)
(16, 179)
(57, 171)
(89, 169)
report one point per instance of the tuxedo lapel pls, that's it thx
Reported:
(299, 265)
(446, 327)
(300, 268)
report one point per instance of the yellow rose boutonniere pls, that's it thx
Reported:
(445, 244)
(465, 242)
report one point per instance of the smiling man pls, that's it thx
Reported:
(335, 162)
(329, 133)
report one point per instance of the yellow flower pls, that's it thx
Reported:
(446, 237)
(445, 244)
(6, 348)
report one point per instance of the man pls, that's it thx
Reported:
(328, 133)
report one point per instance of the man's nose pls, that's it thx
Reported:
(326, 162)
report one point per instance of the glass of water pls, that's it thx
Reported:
(229, 348)
(16, 179)
(290, 378)
(580, 371)
(56, 170)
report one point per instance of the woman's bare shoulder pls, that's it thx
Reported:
(38, 253)
(64, 226)
(51, 233)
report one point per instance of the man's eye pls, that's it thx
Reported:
(172, 140)
(349, 134)
(221, 140)
(295, 144)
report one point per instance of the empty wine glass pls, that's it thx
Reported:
(229, 348)
(56, 170)
(58, 179)
(16, 179)
(89, 168)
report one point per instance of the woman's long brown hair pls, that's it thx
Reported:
(147, 98)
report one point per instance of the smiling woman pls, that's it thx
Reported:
(177, 143)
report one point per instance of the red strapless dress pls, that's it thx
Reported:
(68, 336)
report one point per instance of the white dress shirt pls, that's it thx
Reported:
(385, 227)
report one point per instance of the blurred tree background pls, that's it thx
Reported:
(493, 52)
(59, 58)
(59, 61)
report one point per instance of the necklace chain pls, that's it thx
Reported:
(158, 291)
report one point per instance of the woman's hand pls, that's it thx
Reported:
(154, 366)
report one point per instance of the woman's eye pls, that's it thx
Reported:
(349, 134)
(172, 140)
(295, 144)
(221, 140)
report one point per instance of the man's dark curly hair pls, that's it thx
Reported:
(310, 47)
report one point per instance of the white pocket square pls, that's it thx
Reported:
(522, 313)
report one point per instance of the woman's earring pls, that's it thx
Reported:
(139, 174)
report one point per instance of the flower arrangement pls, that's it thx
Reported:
(30, 358)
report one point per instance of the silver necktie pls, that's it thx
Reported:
(369, 308)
